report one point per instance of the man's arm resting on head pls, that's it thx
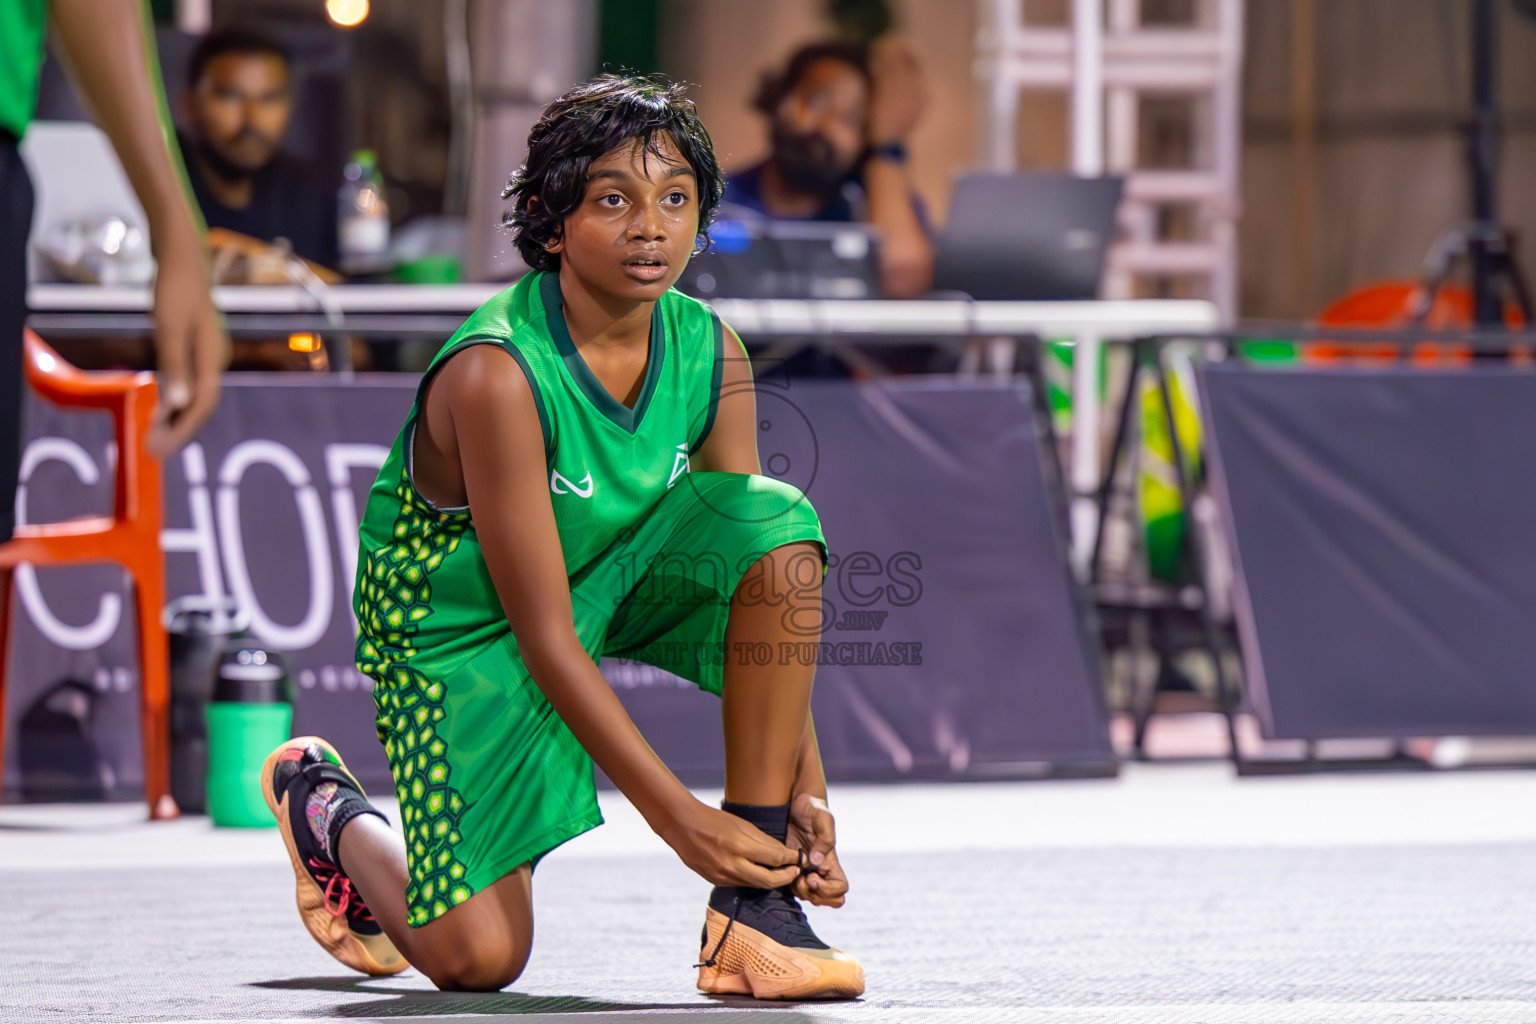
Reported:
(896, 103)
(906, 254)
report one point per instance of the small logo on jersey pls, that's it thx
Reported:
(679, 465)
(555, 480)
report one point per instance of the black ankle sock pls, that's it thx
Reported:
(352, 805)
(343, 804)
(772, 820)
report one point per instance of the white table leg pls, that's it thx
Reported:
(1084, 475)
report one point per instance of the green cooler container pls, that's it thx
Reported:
(250, 714)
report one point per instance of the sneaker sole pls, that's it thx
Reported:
(749, 963)
(370, 954)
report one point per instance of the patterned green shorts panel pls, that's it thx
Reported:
(499, 781)
(487, 774)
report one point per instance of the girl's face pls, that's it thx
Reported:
(634, 230)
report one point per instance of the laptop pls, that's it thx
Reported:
(1035, 237)
(757, 258)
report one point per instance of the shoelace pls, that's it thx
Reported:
(735, 909)
(338, 887)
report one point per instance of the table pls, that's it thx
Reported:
(435, 311)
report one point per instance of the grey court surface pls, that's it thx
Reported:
(1292, 920)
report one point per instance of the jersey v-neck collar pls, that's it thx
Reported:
(581, 374)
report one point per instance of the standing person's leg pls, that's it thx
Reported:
(15, 223)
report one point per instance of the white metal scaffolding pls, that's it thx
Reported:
(1110, 61)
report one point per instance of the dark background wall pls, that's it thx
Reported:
(1393, 89)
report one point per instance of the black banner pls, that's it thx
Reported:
(1383, 530)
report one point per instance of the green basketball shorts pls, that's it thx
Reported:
(504, 781)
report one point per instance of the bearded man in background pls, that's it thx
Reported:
(839, 117)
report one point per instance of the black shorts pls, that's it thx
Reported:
(15, 223)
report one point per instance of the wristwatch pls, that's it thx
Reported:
(895, 151)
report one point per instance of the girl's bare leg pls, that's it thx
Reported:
(765, 706)
(482, 944)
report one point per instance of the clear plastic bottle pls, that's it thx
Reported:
(363, 229)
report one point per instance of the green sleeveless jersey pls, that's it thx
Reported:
(422, 588)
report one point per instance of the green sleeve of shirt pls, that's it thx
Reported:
(22, 25)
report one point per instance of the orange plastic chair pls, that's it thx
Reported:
(130, 537)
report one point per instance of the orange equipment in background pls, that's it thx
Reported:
(130, 536)
(1391, 304)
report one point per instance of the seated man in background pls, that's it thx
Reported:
(839, 118)
(238, 102)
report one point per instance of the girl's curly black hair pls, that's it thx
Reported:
(597, 117)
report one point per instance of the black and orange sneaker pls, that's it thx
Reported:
(331, 909)
(757, 942)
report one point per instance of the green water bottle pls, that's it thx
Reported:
(250, 714)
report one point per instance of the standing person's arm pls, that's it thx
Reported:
(104, 47)
(896, 102)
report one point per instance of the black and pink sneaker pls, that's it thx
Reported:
(331, 909)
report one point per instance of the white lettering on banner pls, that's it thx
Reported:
(201, 538)
(340, 461)
(336, 677)
(109, 612)
(316, 545)
(217, 541)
